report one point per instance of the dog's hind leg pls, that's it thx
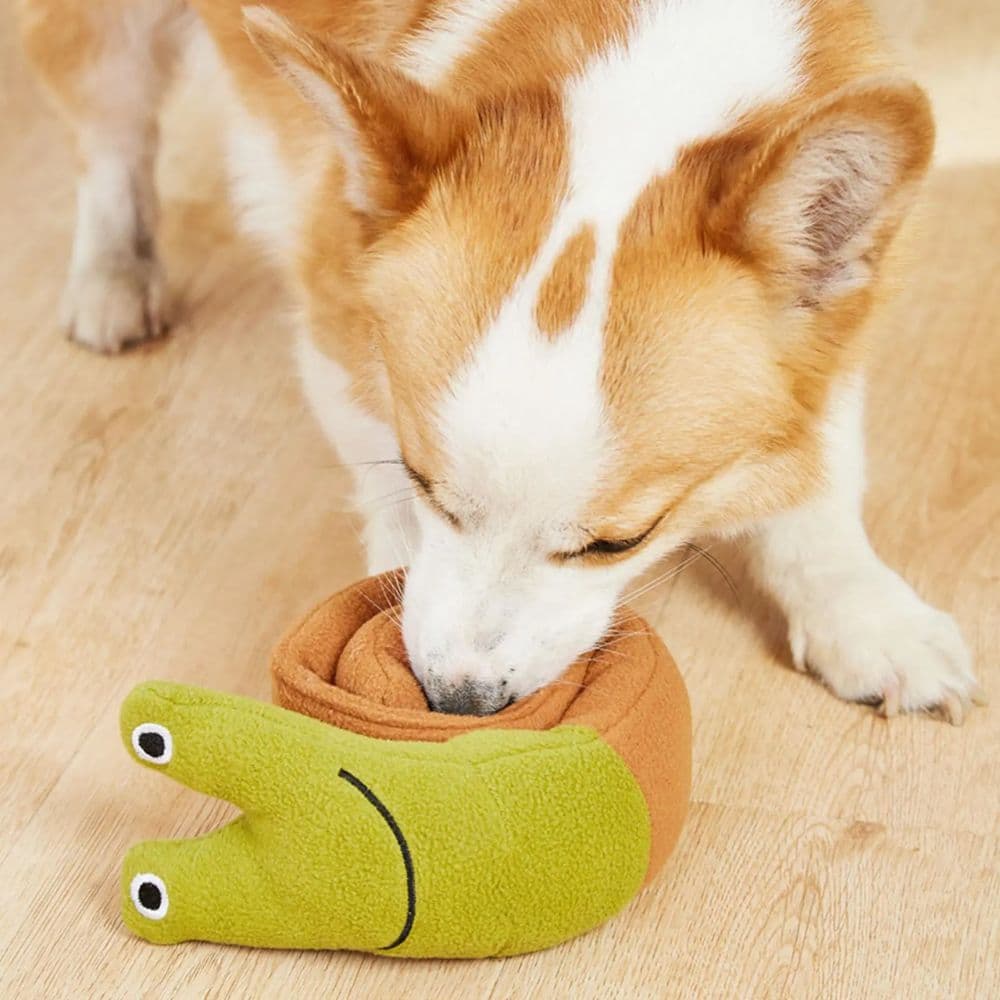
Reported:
(106, 63)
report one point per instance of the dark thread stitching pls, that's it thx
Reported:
(411, 890)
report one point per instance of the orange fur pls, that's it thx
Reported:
(563, 292)
(65, 42)
(454, 263)
(483, 158)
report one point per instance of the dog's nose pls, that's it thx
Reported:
(469, 697)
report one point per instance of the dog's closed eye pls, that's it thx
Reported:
(426, 487)
(608, 547)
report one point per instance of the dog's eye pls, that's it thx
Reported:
(610, 547)
(427, 488)
(606, 547)
(422, 481)
(149, 895)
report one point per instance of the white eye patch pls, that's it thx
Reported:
(149, 895)
(153, 742)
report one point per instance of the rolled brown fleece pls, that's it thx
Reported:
(345, 664)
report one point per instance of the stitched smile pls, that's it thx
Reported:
(404, 850)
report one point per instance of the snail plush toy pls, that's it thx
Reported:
(371, 823)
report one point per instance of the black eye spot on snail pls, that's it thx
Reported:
(153, 743)
(149, 895)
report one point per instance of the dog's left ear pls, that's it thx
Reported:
(815, 204)
(392, 133)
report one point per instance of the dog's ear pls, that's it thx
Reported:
(816, 203)
(392, 132)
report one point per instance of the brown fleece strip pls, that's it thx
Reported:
(345, 664)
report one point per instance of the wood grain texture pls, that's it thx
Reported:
(168, 512)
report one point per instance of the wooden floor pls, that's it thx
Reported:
(167, 513)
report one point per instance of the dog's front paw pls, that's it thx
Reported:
(106, 308)
(870, 638)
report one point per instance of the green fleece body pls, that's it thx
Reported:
(494, 843)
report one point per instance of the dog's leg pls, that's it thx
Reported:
(851, 619)
(383, 493)
(106, 63)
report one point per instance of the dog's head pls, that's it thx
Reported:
(594, 350)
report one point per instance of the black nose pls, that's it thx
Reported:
(469, 698)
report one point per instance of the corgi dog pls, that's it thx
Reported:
(582, 280)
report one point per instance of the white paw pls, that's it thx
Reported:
(108, 307)
(872, 639)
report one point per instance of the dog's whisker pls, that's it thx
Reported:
(697, 552)
(617, 640)
(403, 536)
(713, 561)
(369, 464)
(656, 581)
(376, 502)
(393, 504)
(609, 651)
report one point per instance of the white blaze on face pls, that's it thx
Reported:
(523, 427)
(523, 455)
(524, 424)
